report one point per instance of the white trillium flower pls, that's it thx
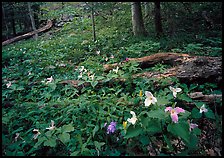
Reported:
(175, 90)
(116, 70)
(92, 76)
(52, 125)
(81, 69)
(98, 52)
(9, 84)
(50, 79)
(80, 75)
(133, 119)
(36, 134)
(203, 109)
(150, 98)
(16, 137)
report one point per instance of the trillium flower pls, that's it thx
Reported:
(81, 68)
(49, 80)
(112, 56)
(175, 90)
(133, 119)
(203, 109)
(150, 98)
(111, 128)
(106, 58)
(98, 52)
(116, 70)
(92, 76)
(36, 133)
(51, 127)
(174, 112)
(192, 126)
(16, 137)
(9, 84)
(80, 75)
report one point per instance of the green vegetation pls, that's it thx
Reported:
(77, 115)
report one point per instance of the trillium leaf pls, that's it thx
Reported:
(159, 113)
(209, 114)
(67, 128)
(98, 145)
(185, 98)
(50, 142)
(195, 113)
(64, 137)
(180, 129)
(133, 131)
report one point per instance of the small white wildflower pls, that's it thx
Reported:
(49, 80)
(51, 127)
(175, 90)
(116, 70)
(150, 98)
(203, 109)
(9, 84)
(133, 119)
(36, 133)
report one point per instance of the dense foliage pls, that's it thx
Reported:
(41, 116)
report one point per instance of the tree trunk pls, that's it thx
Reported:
(147, 9)
(158, 23)
(13, 21)
(4, 20)
(137, 20)
(93, 23)
(32, 20)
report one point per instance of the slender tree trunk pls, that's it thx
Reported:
(147, 9)
(137, 20)
(158, 23)
(32, 20)
(13, 21)
(6, 26)
(93, 23)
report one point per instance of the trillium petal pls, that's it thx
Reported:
(133, 113)
(174, 117)
(148, 94)
(168, 109)
(171, 88)
(132, 120)
(174, 94)
(179, 110)
(148, 102)
(154, 100)
(178, 89)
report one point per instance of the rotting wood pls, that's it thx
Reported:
(29, 34)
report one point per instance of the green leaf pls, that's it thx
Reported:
(67, 128)
(209, 114)
(154, 126)
(75, 153)
(94, 83)
(192, 86)
(50, 142)
(64, 137)
(133, 131)
(95, 130)
(144, 140)
(159, 113)
(180, 129)
(40, 141)
(168, 142)
(193, 142)
(196, 131)
(185, 98)
(195, 113)
(162, 101)
(98, 145)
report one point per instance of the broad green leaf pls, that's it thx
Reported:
(185, 98)
(40, 141)
(195, 113)
(196, 131)
(144, 140)
(133, 131)
(95, 130)
(163, 100)
(209, 114)
(154, 126)
(193, 142)
(180, 129)
(94, 83)
(67, 128)
(192, 86)
(64, 137)
(50, 142)
(98, 145)
(159, 113)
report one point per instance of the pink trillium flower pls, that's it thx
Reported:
(174, 112)
(192, 126)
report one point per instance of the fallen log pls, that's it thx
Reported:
(29, 34)
(205, 98)
(144, 62)
(188, 69)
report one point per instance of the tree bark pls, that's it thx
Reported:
(137, 20)
(93, 23)
(158, 23)
(27, 35)
(32, 20)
